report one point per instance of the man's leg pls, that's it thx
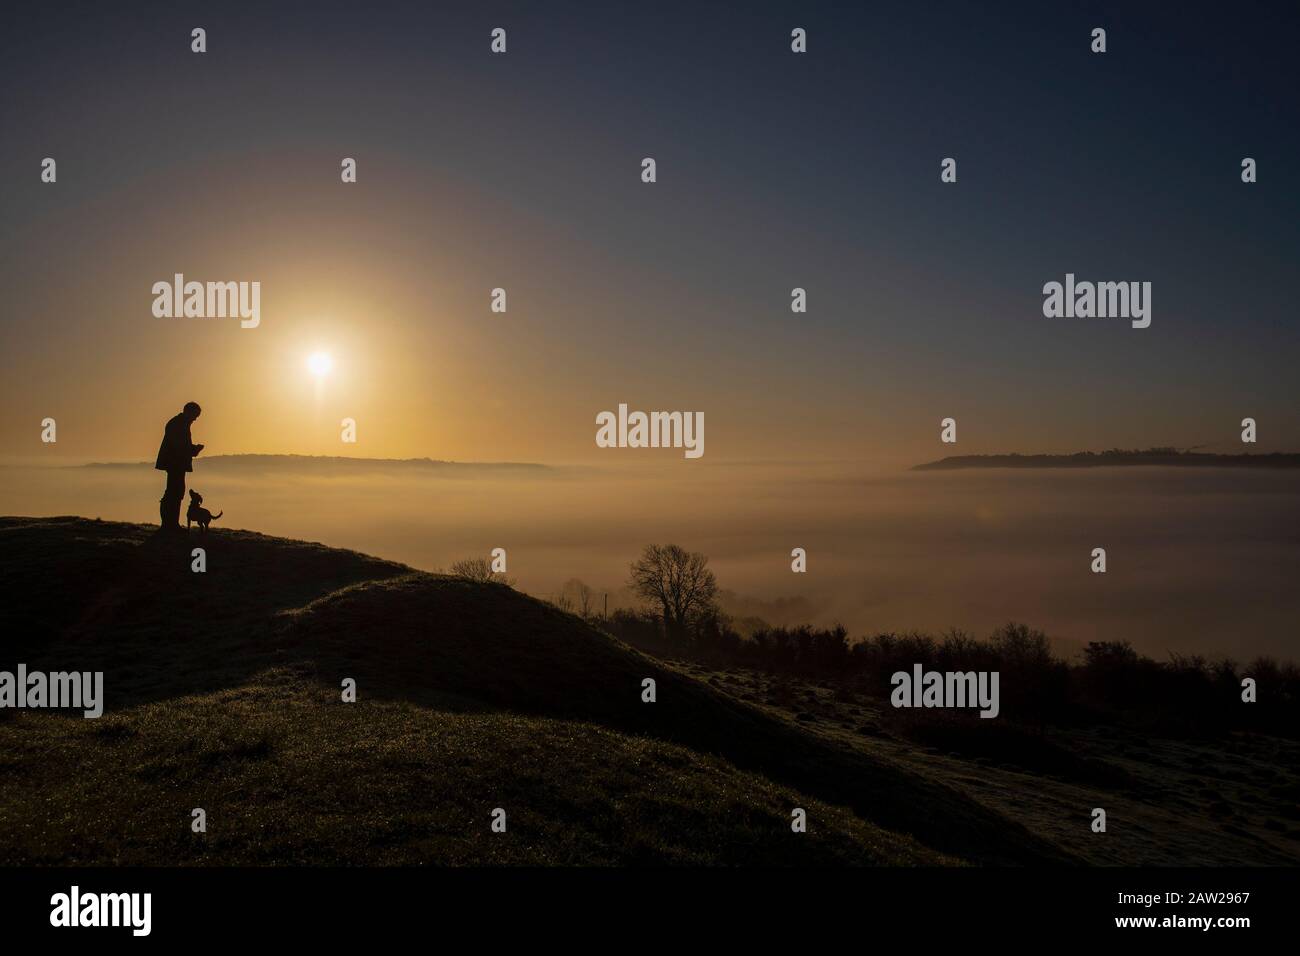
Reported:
(169, 506)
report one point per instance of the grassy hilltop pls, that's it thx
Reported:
(222, 691)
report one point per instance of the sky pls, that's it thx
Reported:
(522, 171)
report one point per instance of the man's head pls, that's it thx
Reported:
(191, 410)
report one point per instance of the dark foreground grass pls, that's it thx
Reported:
(464, 658)
(290, 775)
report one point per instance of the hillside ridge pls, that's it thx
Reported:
(116, 597)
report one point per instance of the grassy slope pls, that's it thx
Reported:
(1232, 800)
(288, 776)
(223, 693)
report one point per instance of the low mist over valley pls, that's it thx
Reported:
(1199, 560)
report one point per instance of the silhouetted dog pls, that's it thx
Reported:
(199, 514)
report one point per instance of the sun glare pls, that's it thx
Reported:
(320, 363)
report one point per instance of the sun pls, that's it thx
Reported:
(320, 364)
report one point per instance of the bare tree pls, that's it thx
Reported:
(479, 570)
(677, 580)
(579, 597)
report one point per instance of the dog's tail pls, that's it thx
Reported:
(217, 515)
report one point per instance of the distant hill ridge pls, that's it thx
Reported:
(333, 462)
(1116, 458)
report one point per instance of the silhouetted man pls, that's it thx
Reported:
(176, 457)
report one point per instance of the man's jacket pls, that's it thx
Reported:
(176, 453)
